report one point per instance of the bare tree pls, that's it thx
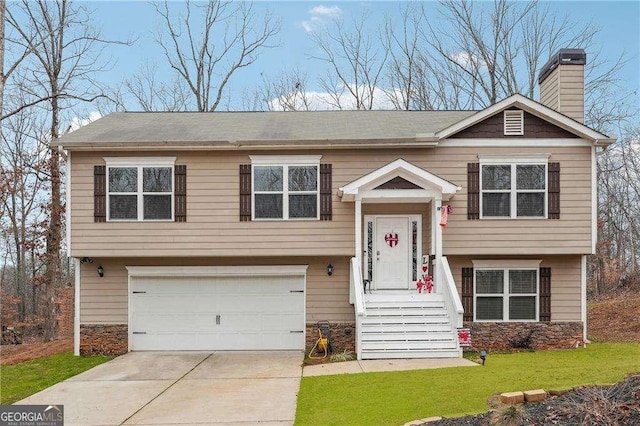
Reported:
(206, 54)
(153, 95)
(64, 50)
(24, 160)
(356, 62)
(286, 92)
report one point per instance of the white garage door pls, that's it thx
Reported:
(217, 313)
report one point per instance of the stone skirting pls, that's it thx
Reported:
(103, 339)
(343, 336)
(524, 335)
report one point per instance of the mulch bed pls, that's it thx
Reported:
(615, 405)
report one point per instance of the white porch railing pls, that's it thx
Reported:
(447, 286)
(356, 290)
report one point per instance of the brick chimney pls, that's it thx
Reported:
(561, 83)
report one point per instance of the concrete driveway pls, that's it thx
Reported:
(180, 388)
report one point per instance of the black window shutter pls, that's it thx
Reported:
(99, 193)
(180, 193)
(554, 190)
(545, 294)
(325, 192)
(467, 294)
(245, 192)
(473, 191)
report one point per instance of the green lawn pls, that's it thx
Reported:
(21, 380)
(398, 397)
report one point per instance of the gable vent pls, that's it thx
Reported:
(514, 122)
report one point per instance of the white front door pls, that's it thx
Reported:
(392, 256)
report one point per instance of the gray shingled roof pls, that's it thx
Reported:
(224, 127)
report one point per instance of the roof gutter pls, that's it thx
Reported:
(255, 144)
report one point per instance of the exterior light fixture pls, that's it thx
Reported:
(483, 356)
(100, 271)
(329, 269)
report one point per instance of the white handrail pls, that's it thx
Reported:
(448, 285)
(357, 291)
(356, 287)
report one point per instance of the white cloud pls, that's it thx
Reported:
(330, 12)
(77, 122)
(318, 16)
(318, 101)
(466, 59)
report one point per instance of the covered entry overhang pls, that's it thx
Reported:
(399, 182)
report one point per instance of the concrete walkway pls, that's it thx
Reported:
(188, 388)
(373, 365)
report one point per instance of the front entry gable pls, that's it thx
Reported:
(398, 179)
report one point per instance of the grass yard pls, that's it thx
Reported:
(21, 380)
(394, 398)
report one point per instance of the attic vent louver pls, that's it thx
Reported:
(513, 122)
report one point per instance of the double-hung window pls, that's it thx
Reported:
(513, 189)
(140, 189)
(285, 187)
(506, 294)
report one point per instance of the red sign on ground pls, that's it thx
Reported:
(464, 336)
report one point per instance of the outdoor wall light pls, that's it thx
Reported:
(100, 271)
(483, 356)
(329, 269)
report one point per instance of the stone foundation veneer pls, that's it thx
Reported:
(343, 336)
(103, 339)
(524, 335)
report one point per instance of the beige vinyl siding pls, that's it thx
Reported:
(563, 90)
(213, 227)
(565, 281)
(571, 234)
(549, 90)
(104, 300)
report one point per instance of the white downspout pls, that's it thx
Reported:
(76, 308)
(583, 296)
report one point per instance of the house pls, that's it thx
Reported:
(241, 230)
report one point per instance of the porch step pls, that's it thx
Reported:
(395, 319)
(401, 304)
(419, 327)
(422, 345)
(441, 336)
(401, 297)
(407, 325)
(401, 354)
(406, 312)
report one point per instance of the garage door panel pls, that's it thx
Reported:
(174, 323)
(217, 313)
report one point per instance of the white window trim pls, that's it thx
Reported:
(140, 163)
(514, 161)
(285, 161)
(506, 266)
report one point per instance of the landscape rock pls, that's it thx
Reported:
(535, 395)
(512, 398)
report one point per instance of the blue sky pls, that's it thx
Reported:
(619, 23)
